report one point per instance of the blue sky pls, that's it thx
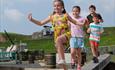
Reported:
(13, 13)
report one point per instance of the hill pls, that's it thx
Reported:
(107, 39)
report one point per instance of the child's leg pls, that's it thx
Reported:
(96, 49)
(73, 45)
(79, 56)
(73, 57)
(92, 48)
(60, 49)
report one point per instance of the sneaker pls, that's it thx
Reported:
(61, 62)
(95, 60)
(72, 65)
(78, 67)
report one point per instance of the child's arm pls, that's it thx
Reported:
(40, 23)
(74, 21)
(101, 30)
(88, 30)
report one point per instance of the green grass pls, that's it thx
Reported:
(45, 44)
(107, 39)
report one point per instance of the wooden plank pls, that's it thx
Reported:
(103, 61)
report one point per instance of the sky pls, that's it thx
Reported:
(13, 13)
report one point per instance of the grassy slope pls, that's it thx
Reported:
(47, 44)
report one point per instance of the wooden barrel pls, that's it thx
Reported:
(50, 59)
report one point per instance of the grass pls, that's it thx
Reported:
(107, 39)
(45, 44)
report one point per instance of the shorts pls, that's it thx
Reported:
(95, 43)
(76, 42)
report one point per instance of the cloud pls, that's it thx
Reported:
(13, 15)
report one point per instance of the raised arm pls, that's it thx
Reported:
(40, 23)
(74, 21)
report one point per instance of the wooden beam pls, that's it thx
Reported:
(103, 61)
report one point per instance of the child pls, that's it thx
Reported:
(95, 29)
(92, 10)
(77, 37)
(59, 20)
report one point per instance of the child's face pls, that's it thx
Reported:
(95, 19)
(58, 7)
(92, 10)
(75, 12)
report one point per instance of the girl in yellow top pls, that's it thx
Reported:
(59, 20)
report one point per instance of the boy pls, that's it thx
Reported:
(92, 10)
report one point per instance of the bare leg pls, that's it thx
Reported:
(93, 49)
(73, 55)
(96, 51)
(60, 49)
(79, 56)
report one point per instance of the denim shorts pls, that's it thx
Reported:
(76, 42)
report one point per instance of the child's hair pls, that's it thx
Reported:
(61, 1)
(95, 15)
(92, 6)
(78, 7)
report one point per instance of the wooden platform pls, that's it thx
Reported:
(103, 61)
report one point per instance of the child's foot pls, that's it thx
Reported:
(61, 62)
(95, 60)
(78, 67)
(72, 65)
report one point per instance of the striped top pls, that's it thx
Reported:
(95, 31)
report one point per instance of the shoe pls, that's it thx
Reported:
(95, 60)
(61, 62)
(78, 67)
(72, 65)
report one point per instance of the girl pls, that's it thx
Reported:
(95, 29)
(59, 20)
(77, 37)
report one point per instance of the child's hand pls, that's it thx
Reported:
(30, 16)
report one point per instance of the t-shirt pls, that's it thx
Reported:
(77, 30)
(95, 29)
(90, 17)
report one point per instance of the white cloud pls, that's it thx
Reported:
(13, 15)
